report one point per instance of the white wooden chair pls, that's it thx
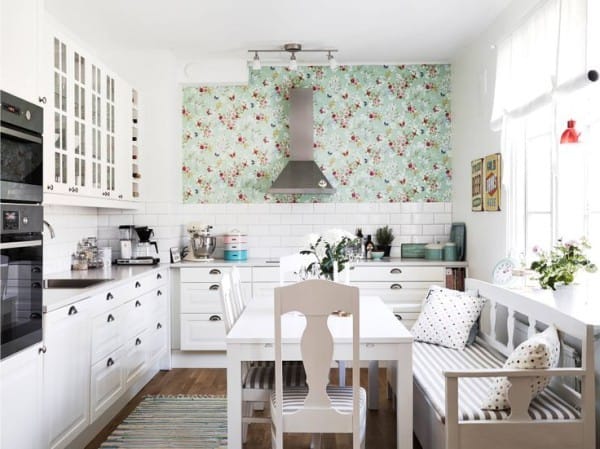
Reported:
(239, 302)
(259, 378)
(293, 264)
(319, 407)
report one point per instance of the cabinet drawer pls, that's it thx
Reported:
(135, 357)
(136, 313)
(200, 331)
(107, 383)
(158, 338)
(112, 298)
(212, 274)
(106, 336)
(205, 297)
(398, 273)
(413, 292)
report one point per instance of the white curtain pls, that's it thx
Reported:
(546, 54)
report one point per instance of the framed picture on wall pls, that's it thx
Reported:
(491, 191)
(175, 255)
(477, 185)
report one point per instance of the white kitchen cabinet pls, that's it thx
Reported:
(19, 48)
(87, 126)
(66, 383)
(21, 400)
(107, 382)
(201, 319)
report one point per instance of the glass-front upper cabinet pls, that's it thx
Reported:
(87, 127)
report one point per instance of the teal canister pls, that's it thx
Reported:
(450, 253)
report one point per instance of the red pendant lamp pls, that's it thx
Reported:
(570, 135)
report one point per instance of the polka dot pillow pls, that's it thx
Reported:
(540, 351)
(447, 317)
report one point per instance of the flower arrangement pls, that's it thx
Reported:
(560, 264)
(329, 248)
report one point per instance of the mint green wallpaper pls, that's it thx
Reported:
(381, 133)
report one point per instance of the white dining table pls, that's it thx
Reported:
(382, 337)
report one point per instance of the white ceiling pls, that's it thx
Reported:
(364, 31)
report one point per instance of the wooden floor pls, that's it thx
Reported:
(381, 424)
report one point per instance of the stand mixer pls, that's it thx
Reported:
(202, 244)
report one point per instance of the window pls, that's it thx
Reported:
(554, 189)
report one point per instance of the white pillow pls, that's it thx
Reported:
(540, 351)
(447, 317)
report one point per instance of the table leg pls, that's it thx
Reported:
(234, 400)
(404, 394)
(373, 390)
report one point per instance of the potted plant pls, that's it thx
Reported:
(559, 265)
(384, 238)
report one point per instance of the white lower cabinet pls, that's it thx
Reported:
(66, 393)
(202, 332)
(201, 319)
(402, 286)
(108, 382)
(21, 400)
(96, 350)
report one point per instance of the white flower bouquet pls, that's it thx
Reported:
(330, 249)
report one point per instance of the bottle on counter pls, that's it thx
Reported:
(369, 246)
(362, 250)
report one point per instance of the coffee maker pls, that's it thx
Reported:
(136, 247)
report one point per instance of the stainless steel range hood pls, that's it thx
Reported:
(301, 175)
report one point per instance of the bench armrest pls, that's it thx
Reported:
(506, 372)
(518, 394)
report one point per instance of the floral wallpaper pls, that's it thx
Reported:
(381, 133)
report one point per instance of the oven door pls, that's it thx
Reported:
(20, 294)
(21, 171)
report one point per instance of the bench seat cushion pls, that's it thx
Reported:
(431, 360)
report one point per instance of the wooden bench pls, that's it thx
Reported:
(450, 385)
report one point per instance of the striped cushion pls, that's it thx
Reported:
(431, 360)
(341, 400)
(262, 377)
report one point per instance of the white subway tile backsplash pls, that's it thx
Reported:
(433, 229)
(400, 219)
(302, 208)
(411, 229)
(442, 218)
(411, 207)
(434, 207)
(422, 218)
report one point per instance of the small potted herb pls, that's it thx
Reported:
(384, 238)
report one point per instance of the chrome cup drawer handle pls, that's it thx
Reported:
(214, 287)
(395, 271)
(395, 286)
(214, 271)
(214, 318)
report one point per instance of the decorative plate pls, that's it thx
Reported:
(503, 271)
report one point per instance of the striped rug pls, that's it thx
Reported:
(198, 422)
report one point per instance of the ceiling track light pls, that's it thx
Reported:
(294, 48)
(256, 62)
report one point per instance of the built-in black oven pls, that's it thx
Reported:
(21, 150)
(21, 274)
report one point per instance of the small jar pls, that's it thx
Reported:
(79, 262)
(450, 253)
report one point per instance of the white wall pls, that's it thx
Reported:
(473, 73)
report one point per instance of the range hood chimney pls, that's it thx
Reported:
(301, 175)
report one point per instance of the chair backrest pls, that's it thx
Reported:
(293, 263)
(229, 315)
(239, 301)
(316, 299)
